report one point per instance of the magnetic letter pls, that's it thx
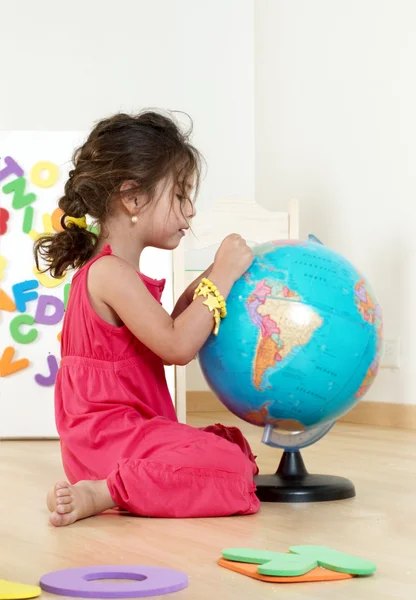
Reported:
(47, 227)
(28, 219)
(39, 168)
(46, 281)
(53, 370)
(4, 217)
(6, 303)
(41, 316)
(67, 287)
(17, 188)
(8, 366)
(17, 335)
(22, 293)
(3, 263)
(11, 168)
(56, 219)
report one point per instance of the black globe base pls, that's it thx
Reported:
(293, 483)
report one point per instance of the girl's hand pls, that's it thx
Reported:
(233, 257)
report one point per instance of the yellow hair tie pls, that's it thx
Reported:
(80, 222)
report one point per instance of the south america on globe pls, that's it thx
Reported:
(302, 340)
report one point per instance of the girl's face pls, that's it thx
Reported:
(165, 221)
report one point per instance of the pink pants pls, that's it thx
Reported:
(184, 472)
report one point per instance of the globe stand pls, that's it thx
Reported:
(292, 482)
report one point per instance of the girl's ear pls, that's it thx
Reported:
(129, 196)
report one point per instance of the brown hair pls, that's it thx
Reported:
(144, 148)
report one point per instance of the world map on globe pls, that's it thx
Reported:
(302, 341)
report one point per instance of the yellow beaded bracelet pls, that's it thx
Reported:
(205, 287)
(214, 301)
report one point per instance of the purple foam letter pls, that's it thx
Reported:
(11, 168)
(53, 370)
(43, 303)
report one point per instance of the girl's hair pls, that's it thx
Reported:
(143, 148)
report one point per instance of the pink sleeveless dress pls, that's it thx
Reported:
(116, 421)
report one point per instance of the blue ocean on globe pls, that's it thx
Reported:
(302, 340)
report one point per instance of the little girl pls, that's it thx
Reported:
(121, 443)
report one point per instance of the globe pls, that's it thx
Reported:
(301, 342)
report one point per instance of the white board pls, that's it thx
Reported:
(26, 406)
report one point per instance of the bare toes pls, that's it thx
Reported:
(64, 500)
(61, 484)
(59, 520)
(62, 509)
(56, 519)
(63, 492)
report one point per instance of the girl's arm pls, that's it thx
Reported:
(177, 340)
(187, 297)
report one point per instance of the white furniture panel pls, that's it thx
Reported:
(255, 223)
(233, 215)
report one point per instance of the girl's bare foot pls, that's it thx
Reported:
(69, 503)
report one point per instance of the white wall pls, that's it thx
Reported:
(335, 114)
(63, 70)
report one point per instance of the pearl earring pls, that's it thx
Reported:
(134, 219)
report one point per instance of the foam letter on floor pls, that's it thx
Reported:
(10, 590)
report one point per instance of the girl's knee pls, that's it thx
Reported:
(228, 457)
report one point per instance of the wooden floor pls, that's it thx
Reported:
(379, 524)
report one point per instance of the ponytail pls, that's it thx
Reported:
(72, 247)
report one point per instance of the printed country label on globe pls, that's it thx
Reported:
(302, 339)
